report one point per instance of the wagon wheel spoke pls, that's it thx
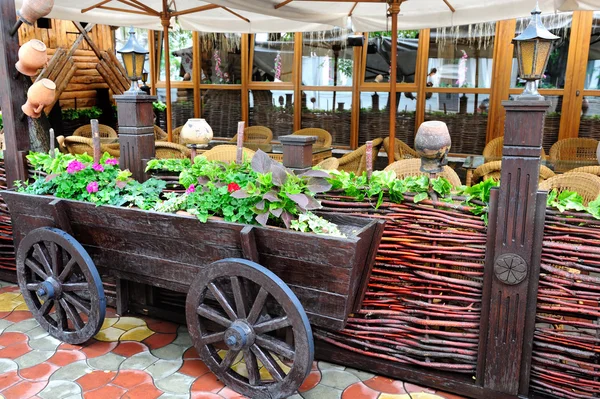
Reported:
(218, 293)
(40, 256)
(272, 325)
(33, 286)
(240, 300)
(77, 302)
(275, 345)
(270, 364)
(68, 287)
(259, 303)
(66, 272)
(61, 318)
(251, 367)
(213, 338)
(213, 315)
(45, 308)
(56, 258)
(36, 268)
(72, 314)
(228, 359)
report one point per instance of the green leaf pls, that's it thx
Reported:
(420, 197)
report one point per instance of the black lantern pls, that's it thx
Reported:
(134, 57)
(533, 51)
(144, 76)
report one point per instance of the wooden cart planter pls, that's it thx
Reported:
(233, 303)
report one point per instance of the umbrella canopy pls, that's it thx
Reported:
(370, 15)
(191, 14)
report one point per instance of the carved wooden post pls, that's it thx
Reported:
(12, 96)
(512, 265)
(297, 151)
(136, 132)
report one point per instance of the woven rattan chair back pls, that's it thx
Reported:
(493, 149)
(256, 135)
(159, 134)
(227, 153)
(492, 170)
(331, 163)
(585, 184)
(595, 170)
(401, 150)
(356, 161)
(106, 132)
(166, 150)
(324, 138)
(176, 135)
(574, 149)
(412, 167)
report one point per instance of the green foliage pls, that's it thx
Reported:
(1, 121)
(346, 66)
(310, 222)
(169, 165)
(57, 164)
(565, 201)
(159, 106)
(478, 197)
(74, 114)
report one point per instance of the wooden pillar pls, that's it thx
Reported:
(512, 264)
(136, 133)
(12, 97)
(356, 83)
(197, 73)
(422, 62)
(297, 80)
(154, 70)
(165, 20)
(394, 9)
(245, 77)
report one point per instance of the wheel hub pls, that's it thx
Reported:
(239, 336)
(49, 289)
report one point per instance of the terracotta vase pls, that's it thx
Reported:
(39, 95)
(32, 10)
(432, 144)
(32, 56)
(196, 131)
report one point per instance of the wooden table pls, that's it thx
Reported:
(275, 151)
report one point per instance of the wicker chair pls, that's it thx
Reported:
(255, 134)
(159, 134)
(84, 145)
(166, 150)
(585, 184)
(61, 144)
(412, 167)
(227, 153)
(356, 161)
(106, 132)
(176, 135)
(575, 149)
(595, 170)
(323, 136)
(491, 170)
(328, 164)
(401, 151)
(493, 149)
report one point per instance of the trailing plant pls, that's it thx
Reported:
(478, 197)
(310, 222)
(159, 106)
(88, 113)
(169, 165)
(567, 201)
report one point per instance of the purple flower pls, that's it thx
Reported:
(190, 189)
(92, 187)
(98, 168)
(75, 166)
(112, 161)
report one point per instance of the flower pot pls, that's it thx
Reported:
(32, 10)
(32, 56)
(196, 131)
(432, 144)
(39, 95)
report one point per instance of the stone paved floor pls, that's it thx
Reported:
(140, 357)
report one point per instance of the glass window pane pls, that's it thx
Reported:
(554, 77)
(222, 110)
(326, 61)
(121, 37)
(320, 112)
(379, 55)
(180, 46)
(221, 58)
(273, 109)
(461, 56)
(592, 77)
(590, 118)
(374, 119)
(182, 103)
(466, 117)
(273, 57)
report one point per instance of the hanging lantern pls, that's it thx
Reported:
(134, 57)
(533, 46)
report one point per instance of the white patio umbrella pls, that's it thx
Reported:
(161, 14)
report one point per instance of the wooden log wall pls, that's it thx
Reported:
(81, 89)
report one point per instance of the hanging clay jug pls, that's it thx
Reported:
(196, 131)
(32, 10)
(432, 144)
(39, 95)
(32, 56)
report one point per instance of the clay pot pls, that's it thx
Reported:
(196, 131)
(432, 144)
(32, 10)
(32, 56)
(39, 95)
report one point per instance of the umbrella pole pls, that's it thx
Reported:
(394, 9)
(165, 21)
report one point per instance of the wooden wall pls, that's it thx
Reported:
(84, 85)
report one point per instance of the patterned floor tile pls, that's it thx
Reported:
(207, 383)
(360, 390)
(39, 372)
(131, 378)
(9, 379)
(104, 392)
(24, 389)
(193, 368)
(95, 379)
(129, 348)
(33, 357)
(338, 379)
(175, 383)
(137, 334)
(164, 368)
(143, 391)
(71, 372)
(7, 365)
(62, 358)
(46, 343)
(60, 390)
(385, 385)
(321, 392)
(139, 361)
(129, 323)
(169, 352)
(110, 361)
(156, 341)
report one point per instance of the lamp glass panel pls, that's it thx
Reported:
(128, 63)
(543, 52)
(526, 61)
(139, 64)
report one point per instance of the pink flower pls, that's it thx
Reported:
(190, 189)
(231, 187)
(92, 187)
(75, 166)
(98, 168)
(112, 161)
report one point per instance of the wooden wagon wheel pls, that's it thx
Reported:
(223, 314)
(60, 285)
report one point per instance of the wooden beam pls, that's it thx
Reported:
(83, 11)
(422, 62)
(140, 6)
(165, 21)
(236, 14)
(394, 9)
(153, 61)
(355, 113)
(352, 9)
(79, 39)
(194, 10)
(124, 10)
(245, 76)
(283, 3)
(297, 81)
(450, 6)
(197, 73)
(84, 32)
